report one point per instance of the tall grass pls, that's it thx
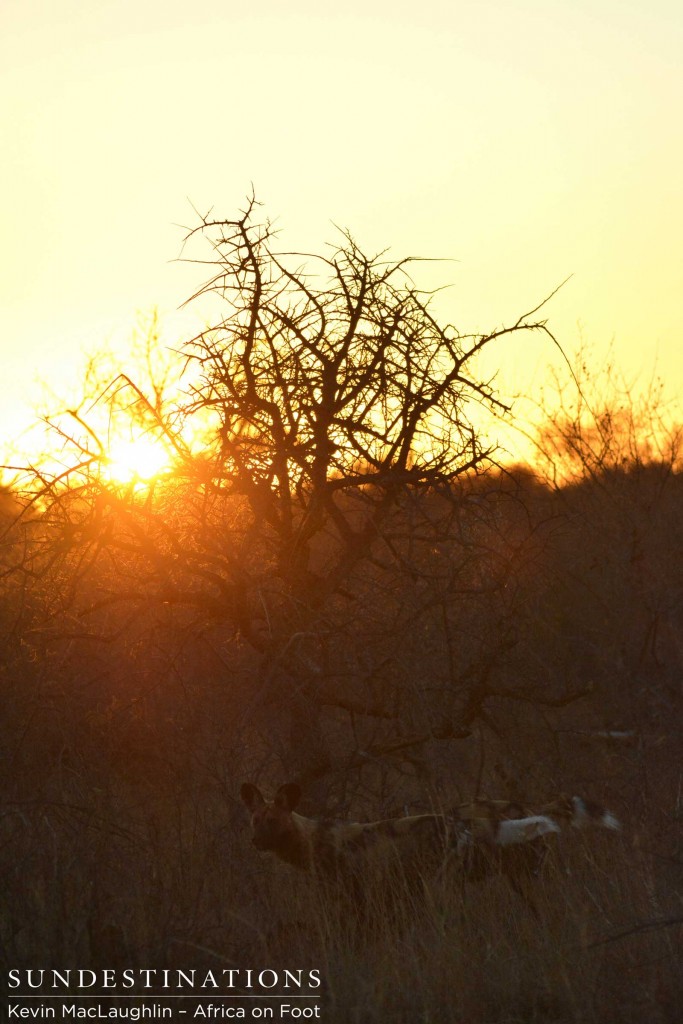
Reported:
(171, 886)
(123, 842)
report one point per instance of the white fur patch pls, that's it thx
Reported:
(523, 830)
(581, 817)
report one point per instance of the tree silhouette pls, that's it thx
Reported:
(336, 415)
(326, 381)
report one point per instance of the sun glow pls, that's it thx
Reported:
(142, 459)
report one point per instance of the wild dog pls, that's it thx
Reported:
(573, 812)
(484, 837)
(328, 847)
(498, 848)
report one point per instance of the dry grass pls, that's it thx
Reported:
(479, 953)
(123, 842)
(171, 888)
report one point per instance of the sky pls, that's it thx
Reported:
(521, 142)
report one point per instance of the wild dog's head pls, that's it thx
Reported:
(271, 821)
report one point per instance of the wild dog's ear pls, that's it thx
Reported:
(288, 796)
(251, 796)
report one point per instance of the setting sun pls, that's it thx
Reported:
(141, 459)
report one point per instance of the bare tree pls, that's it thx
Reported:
(336, 415)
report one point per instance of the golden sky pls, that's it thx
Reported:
(525, 140)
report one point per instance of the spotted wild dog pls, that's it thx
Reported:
(573, 812)
(491, 849)
(483, 837)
